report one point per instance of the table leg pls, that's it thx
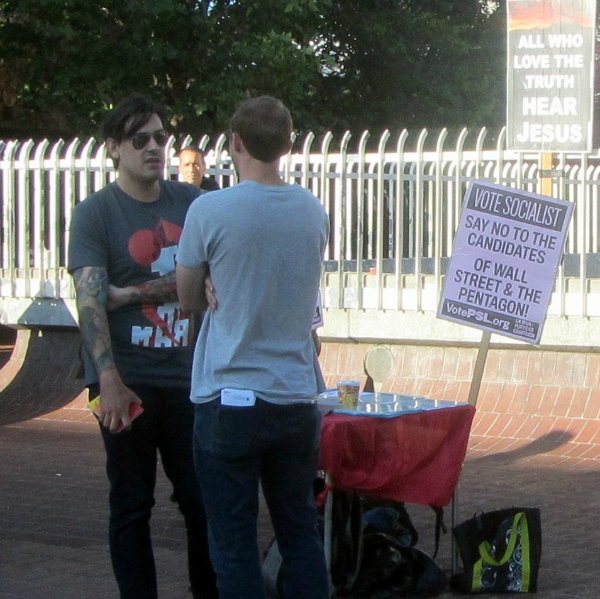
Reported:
(453, 519)
(327, 529)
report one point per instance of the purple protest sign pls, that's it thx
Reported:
(507, 249)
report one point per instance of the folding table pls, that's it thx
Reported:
(398, 447)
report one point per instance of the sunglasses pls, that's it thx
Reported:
(140, 140)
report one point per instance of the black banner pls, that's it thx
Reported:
(550, 75)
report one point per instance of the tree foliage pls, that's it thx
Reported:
(415, 63)
(355, 64)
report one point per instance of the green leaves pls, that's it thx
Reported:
(352, 64)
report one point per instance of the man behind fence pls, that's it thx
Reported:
(123, 243)
(255, 369)
(192, 169)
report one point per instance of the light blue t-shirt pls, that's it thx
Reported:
(264, 248)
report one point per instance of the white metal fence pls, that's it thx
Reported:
(394, 204)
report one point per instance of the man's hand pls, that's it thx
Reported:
(93, 291)
(116, 399)
(209, 292)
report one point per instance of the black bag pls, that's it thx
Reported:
(390, 570)
(373, 551)
(353, 517)
(501, 551)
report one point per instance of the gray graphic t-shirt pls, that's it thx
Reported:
(136, 242)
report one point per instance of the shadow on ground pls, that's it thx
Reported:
(53, 516)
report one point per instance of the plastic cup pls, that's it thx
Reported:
(348, 393)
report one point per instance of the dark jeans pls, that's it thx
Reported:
(166, 425)
(234, 448)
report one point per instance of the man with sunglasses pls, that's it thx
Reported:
(138, 344)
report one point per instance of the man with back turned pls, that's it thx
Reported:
(255, 372)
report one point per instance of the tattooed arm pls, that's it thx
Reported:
(91, 285)
(155, 291)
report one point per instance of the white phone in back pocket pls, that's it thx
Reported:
(240, 398)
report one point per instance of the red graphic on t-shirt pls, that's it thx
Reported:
(145, 245)
(156, 250)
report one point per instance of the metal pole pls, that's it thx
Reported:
(327, 528)
(453, 522)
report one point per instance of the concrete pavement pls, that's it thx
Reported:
(53, 513)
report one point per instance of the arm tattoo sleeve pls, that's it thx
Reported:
(157, 291)
(91, 285)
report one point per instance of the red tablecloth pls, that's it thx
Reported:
(413, 457)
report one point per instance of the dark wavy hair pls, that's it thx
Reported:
(129, 115)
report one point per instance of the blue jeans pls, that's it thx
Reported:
(234, 449)
(166, 426)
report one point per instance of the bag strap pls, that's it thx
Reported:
(347, 552)
(510, 548)
(486, 558)
(439, 527)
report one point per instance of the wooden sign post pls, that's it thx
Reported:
(506, 253)
(482, 353)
